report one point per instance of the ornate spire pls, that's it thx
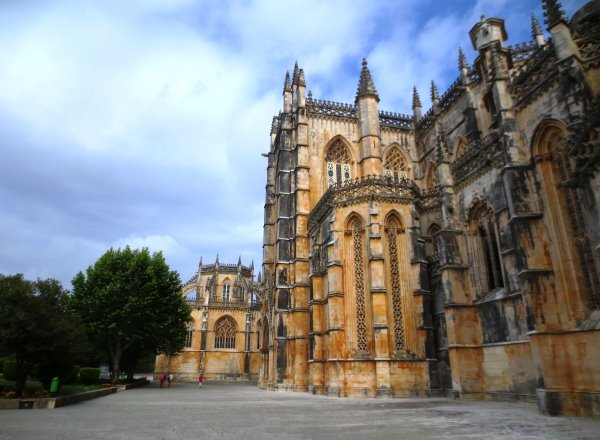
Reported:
(240, 261)
(295, 75)
(462, 60)
(259, 280)
(287, 87)
(217, 260)
(366, 87)
(416, 102)
(434, 92)
(535, 27)
(301, 81)
(553, 12)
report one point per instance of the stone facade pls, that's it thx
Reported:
(451, 252)
(222, 338)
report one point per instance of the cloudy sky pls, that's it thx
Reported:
(142, 122)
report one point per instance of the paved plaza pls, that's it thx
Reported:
(242, 411)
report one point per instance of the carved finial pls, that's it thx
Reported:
(434, 92)
(301, 81)
(295, 75)
(310, 97)
(416, 101)
(287, 87)
(535, 27)
(553, 12)
(462, 60)
(366, 87)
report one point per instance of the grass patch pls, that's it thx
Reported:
(33, 388)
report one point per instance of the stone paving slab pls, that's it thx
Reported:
(242, 411)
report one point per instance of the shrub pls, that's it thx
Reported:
(89, 376)
(72, 375)
(10, 370)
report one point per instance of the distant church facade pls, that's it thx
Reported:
(452, 252)
(221, 340)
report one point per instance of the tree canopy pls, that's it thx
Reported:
(37, 327)
(131, 299)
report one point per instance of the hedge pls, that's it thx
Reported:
(10, 370)
(89, 376)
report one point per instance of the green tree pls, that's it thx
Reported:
(131, 299)
(37, 328)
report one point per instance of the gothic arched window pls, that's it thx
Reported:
(189, 334)
(225, 333)
(226, 290)
(432, 232)
(392, 229)
(486, 256)
(432, 177)
(394, 165)
(564, 218)
(338, 163)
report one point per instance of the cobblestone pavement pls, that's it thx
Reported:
(242, 411)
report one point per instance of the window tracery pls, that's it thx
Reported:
(189, 335)
(486, 255)
(359, 280)
(338, 163)
(225, 330)
(226, 290)
(392, 230)
(395, 165)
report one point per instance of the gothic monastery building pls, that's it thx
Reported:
(453, 251)
(222, 340)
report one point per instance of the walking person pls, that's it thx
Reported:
(162, 379)
(170, 378)
(200, 380)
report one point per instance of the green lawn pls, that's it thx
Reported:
(34, 386)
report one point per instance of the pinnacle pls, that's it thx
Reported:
(301, 80)
(462, 59)
(434, 92)
(416, 101)
(295, 75)
(366, 87)
(553, 12)
(286, 85)
(535, 27)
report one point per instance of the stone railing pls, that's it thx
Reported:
(484, 153)
(430, 198)
(389, 119)
(455, 90)
(523, 51)
(362, 190)
(330, 108)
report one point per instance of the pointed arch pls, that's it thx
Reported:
(483, 237)
(571, 252)
(356, 304)
(225, 331)
(432, 232)
(432, 176)
(189, 335)
(226, 289)
(395, 163)
(338, 161)
(393, 228)
(461, 147)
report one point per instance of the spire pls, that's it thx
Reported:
(217, 260)
(535, 27)
(240, 261)
(553, 12)
(462, 60)
(301, 81)
(366, 87)
(258, 280)
(287, 87)
(295, 75)
(434, 92)
(416, 101)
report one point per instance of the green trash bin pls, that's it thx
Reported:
(54, 385)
